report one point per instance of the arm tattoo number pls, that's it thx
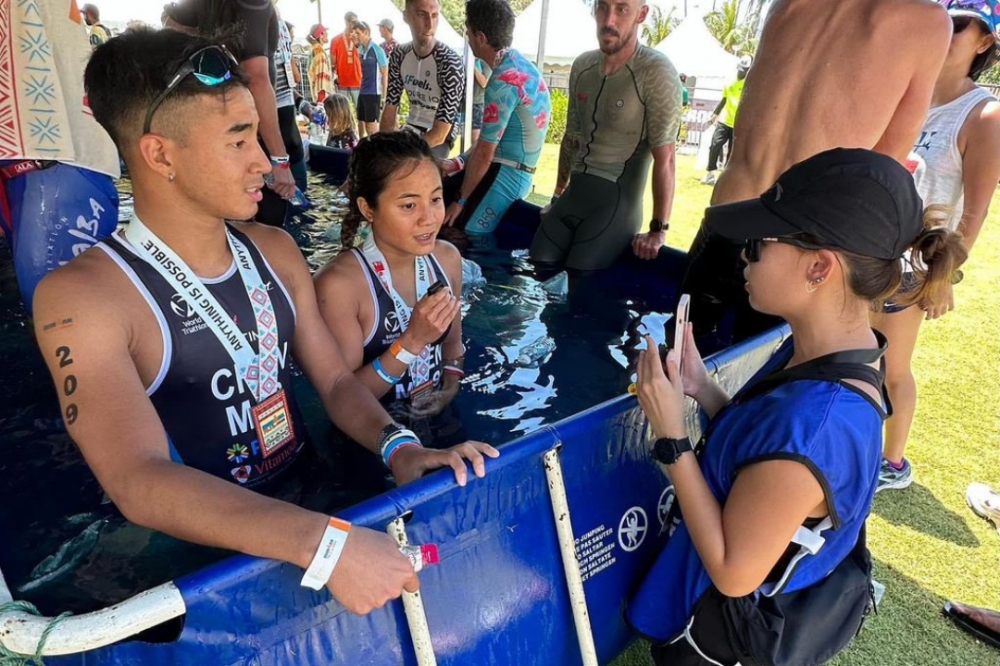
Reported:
(69, 384)
(64, 356)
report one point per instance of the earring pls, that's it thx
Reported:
(170, 177)
(813, 285)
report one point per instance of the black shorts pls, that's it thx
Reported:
(369, 107)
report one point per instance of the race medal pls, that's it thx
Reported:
(273, 423)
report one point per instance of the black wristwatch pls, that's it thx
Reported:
(668, 451)
(656, 226)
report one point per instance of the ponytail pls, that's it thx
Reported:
(937, 254)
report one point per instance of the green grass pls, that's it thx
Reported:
(928, 547)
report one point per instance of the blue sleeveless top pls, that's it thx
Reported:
(386, 328)
(205, 409)
(836, 432)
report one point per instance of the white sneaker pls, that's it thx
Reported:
(709, 178)
(984, 502)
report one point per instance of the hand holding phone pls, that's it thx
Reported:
(435, 288)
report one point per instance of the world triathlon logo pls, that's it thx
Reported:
(181, 307)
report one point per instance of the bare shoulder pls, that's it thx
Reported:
(341, 279)
(90, 300)
(928, 21)
(447, 254)
(91, 281)
(989, 116)
(272, 241)
(982, 128)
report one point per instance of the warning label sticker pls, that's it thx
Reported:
(595, 551)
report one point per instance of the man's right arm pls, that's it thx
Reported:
(571, 139)
(394, 92)
(109, 416)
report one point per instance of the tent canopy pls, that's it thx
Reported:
(571, 31)
(695, 52)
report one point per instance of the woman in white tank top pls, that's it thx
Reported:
(956, 165)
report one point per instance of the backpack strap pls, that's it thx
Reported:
(837, 367)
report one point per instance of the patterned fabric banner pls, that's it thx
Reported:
(43, 109)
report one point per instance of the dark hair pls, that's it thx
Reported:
(362, 26)
(125, 75)
(493, 18)
(936, 255)
(985, 60)
(374, 162)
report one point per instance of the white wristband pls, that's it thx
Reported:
(331, 546)
(401, 354)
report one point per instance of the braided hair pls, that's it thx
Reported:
(375, 161)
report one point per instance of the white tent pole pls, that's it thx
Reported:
(540, 59)
(571, 564)
(413, 605)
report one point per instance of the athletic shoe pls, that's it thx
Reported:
(709, 178)
(985, 502)
(889, 477)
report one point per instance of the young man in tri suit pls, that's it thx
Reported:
(169, 344)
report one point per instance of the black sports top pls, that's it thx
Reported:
(204, 407)
(386, 328)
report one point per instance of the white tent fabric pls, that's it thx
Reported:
(695, 52)
(571, 31)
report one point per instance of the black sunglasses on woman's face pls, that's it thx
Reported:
(752, 248)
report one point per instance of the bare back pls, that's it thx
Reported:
(850, 73)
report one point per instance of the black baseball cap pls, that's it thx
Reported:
(847, 198)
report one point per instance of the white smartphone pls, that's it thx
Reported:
(681, 320)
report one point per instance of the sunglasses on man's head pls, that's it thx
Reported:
(212, 66)
(752, 248)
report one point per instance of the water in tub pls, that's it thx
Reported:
(535, 356)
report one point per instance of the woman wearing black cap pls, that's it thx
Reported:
(768, 564)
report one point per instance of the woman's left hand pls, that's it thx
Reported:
(940, 309)
(661, 394)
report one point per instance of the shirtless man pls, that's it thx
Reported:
(851, 73)
(169, 341)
